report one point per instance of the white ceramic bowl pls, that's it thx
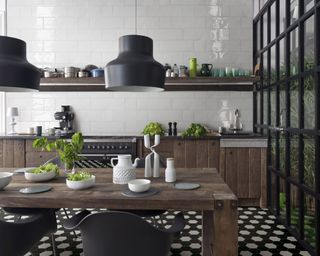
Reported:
(5, 178)
(45, 176)
(81, 184)
(139, 185)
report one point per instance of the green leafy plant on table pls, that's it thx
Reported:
(68, 150)
(50, 167)
(195, 130)
(79, 176)
(153, 128)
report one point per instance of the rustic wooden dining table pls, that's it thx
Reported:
(213, 199)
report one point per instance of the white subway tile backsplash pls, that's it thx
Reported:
(180, 29)
(119, 113)
(77, 33)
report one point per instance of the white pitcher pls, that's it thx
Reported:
(124, 171)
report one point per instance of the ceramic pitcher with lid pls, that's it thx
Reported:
(124, 171)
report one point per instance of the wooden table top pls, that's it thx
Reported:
(105, 194)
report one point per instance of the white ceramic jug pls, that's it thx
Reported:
(124, 171)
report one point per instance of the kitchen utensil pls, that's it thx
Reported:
(83, 73)
(152, 191)
(90, 67)
(170, 172)
(182, 71)
(35, 189)
(38, 130)
(70, 72)
(51, 131)
(192, 67)
(124, 171)
(170, 129)
(38, 177)
(221, 129)
(31, 130)
(81, 184)
(5, 179)
(98, 72)
(206, 69)
(228, 71)
(175, 130)
(139, 185)
(168, 72)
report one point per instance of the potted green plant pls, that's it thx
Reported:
(68, 150)
(153, 128)
(195, 130)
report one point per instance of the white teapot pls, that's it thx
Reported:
(124, 171)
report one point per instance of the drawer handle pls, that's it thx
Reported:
(230, 153)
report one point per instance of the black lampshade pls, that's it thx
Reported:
(135, 69)
(16, 73)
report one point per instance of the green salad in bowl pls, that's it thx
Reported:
(43, 173)
(78, 176)
(50, 167)
(80, 180)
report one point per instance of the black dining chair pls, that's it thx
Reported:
(33, 211)
(17, 238)
(122, 234)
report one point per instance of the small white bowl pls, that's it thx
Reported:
(139, 185)
(81, 184)
(5, 179)
(45, 176)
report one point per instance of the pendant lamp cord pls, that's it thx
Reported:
(136, 16)
(5, 19)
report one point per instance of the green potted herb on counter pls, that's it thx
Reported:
(195, 130)
(68, 150)
(153, 128)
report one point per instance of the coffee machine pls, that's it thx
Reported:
(65, 118)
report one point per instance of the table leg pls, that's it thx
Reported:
(220, 229)
(207, 233)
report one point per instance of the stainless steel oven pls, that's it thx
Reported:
(98, 151)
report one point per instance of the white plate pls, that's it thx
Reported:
(23, 170)
(45, 176)
(82, 184)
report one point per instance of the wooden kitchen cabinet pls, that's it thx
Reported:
(19, 153)
(36, 157)
(12, 153)
(244, 170)
(187, 153)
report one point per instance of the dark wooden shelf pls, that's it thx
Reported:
(172, 84)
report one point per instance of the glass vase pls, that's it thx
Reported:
(69, 167)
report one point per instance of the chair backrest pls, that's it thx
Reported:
(17, 239)
(122, 234)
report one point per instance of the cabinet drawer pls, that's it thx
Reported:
(38, 158)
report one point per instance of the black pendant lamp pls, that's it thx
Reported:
(16, 73)
(135, 69)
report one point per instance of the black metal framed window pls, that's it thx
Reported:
(286, 42)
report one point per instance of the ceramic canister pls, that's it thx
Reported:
(170, 172)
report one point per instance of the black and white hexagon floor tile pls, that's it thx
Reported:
(259, 234)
